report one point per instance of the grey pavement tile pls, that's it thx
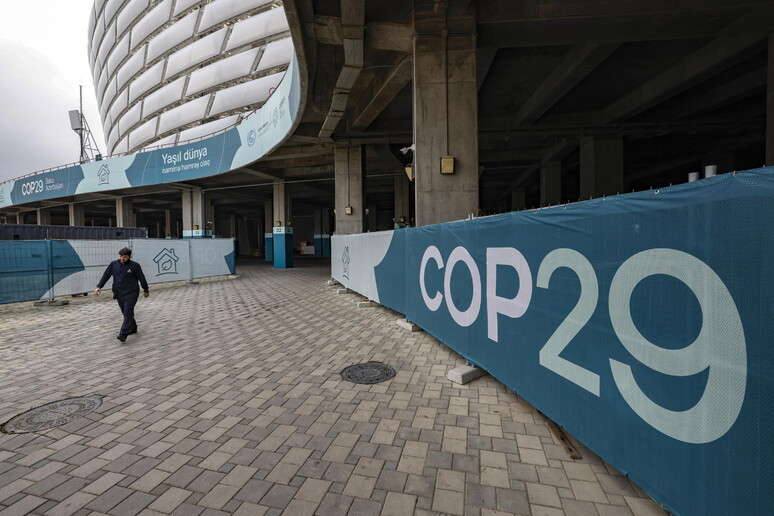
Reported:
(278, 496)
(66, 489)
(242, 377)
(109, 499)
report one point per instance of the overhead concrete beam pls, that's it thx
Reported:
(384, 91)
(575, 66)
(352, 29)
(691, 70)
(724, 95)
(484, 59)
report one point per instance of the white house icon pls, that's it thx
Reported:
(166, 261)
(103, 174)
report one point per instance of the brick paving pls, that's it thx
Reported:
(229, 401)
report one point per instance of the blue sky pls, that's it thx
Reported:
(43, 58)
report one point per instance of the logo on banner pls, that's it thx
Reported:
(166, 261)
(251, 137)
(345, 262)
(275, 116)
(103, 174)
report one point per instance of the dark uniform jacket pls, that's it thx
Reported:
(125, 278)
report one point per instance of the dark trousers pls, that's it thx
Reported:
(126, 303)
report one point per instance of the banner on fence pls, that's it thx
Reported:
(245, 143)
(44, 269)
(642, 323)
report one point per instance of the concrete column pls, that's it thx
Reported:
(20, 217)
(283, 228)
(44, 216)
(124, 212)
(193, 213)
(243, 235)
(601, 166)
(232, 226)
(550, 182)
(268, 228)
(401, 200)
(322, 232)
(724, 162)
(350, 189)
(770, 104)
(167, 223)
(518, 199)
(371, 218)
(445, 111)
(77, 215)
(209, 217)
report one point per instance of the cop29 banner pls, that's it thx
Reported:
(642, 323)
(45, 269)
(249, 141)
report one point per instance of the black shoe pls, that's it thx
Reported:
(132, 332)
(122, 338)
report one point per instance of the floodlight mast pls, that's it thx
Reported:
(88, 145)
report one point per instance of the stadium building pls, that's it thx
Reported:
(170, 71)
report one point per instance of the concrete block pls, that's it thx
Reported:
(366, 304)
(406, 325)
(342, 291)
(465, 374)
(333, 283)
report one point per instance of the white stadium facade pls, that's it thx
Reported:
(175, 70)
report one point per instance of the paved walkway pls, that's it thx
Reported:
(229, 401)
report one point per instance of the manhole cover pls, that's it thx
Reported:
(368, 373)
(51, 415)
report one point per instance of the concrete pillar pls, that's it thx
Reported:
(723, 161)
(268, 228)
(601, 166)
(167, 223)
(20, 217)
(243, 235)
(209, 217)
(44, 216)
(350, 189)
(124, 212)
(770, 104)
(371, 218)
(283, 228)
(322, 232)
(193, 213)
(445, 111)
(232, 226)
(518, 199)
(77, 215)
(550, 182)
(402, 215)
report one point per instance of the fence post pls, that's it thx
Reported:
(50, 260)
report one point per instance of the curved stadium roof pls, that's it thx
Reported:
(167, 71)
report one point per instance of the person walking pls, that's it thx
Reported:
(126, 275)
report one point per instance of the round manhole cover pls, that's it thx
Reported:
(51, 415)
(368, 373)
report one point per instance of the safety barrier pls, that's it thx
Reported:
(641, 323)
(45, 269)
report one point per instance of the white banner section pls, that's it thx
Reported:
(354, 259)
(162, 260)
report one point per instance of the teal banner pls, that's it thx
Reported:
(642, 323)
(254, 137)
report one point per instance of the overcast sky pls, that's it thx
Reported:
(43, 59)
